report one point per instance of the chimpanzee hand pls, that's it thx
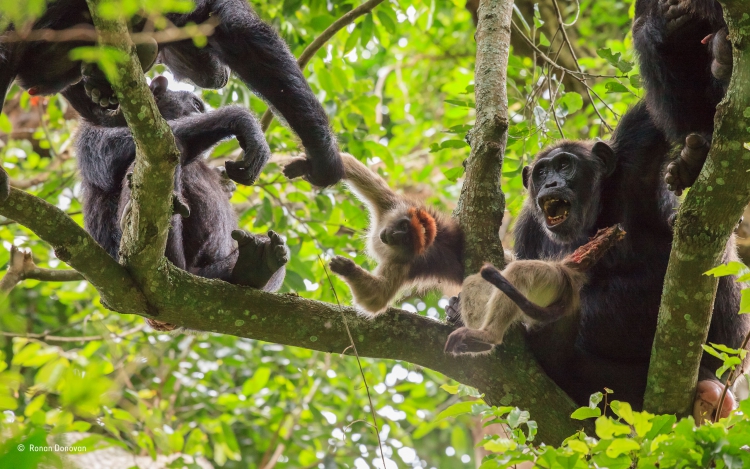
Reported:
(4, 185)
(246, 169)
(706, 403)
(683, 171)
(259, 258)
(721, 50)
(453, 311)
(676, 12)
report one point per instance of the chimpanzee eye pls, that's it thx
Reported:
(197, 105)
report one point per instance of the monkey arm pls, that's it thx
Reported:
(368, 185)
(255, 52)
(197, 133)
(373, 292)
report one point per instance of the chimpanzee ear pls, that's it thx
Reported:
(525, 174)
(605, 153)
(159, 85)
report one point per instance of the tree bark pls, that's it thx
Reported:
(705, 221)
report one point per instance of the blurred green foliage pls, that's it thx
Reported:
(398, 86)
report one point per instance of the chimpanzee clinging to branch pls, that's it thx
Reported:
(240, 43)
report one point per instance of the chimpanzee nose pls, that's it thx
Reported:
(550, 185)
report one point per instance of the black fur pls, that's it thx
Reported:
(620, 303)
(201, 243)
(241, 43)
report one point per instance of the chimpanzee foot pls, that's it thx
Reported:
(259, 258)
(463, 340)
(706, 401)
(683, 171)
(721, 50)
(4, 185)
(676, 12)
(453, 311)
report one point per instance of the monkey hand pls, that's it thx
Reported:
(683, 171)
(316, 172)
(676, 13)
(453, 311)
(4, 185)
(706, 403)
(465, 340)
(342, 266)
(259, 258)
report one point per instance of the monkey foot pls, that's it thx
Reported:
(453, 311)
(318, 174)
(706, 401)
(463, 341)
(676, 12)
(683, 171)
(298, 167)
(160, 325)
(4, 185)
(342, 266)
(259, 258)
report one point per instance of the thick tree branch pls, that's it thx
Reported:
(320, 41)
(76, 248)
(145, 237)
(704, 223)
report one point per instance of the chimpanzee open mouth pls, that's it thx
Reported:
(555, 210)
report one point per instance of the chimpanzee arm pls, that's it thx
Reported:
(255, 52)
(8, 64)
(197, 133)
(104, 155)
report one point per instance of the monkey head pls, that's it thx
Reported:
(409, 233)
(564, 184)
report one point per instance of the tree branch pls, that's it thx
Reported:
(704, 223)
(144, 239)
(320, 41)
(21, 267)
(76, 248)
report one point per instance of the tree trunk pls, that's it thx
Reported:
(705, 221)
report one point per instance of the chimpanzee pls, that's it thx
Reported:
(686, 63)
(241, 42)
(202, 242)
(576, 188)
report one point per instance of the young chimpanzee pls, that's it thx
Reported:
(241, 42)
(576, 188)
(686, 63)
(201, 243)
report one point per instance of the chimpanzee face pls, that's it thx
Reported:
(565, 184)
(174, 104)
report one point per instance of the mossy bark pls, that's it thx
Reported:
(704, 223)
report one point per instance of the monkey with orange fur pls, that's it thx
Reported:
(415, 245)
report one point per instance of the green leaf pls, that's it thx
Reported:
(388, 23)
(730, 268)
(570, 102)
(622, 446)
(623, 410)
(614, 59)
(450, 389)
(584, 413)
(257, 382)
(615, 87)
(456, 409)
(5, 124)
(517, 416)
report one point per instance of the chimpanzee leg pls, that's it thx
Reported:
(200, 66)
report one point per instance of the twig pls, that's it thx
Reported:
(319, 41)
(21, 267)
(359, 363)
(730, 381)
(54, 338)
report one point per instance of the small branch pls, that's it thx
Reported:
(89, 338)
(320, 41)
(21, 267)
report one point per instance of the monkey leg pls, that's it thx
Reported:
(453, 311)
(538, 313)
(465, 340)
(683, 171)
(259, 258)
